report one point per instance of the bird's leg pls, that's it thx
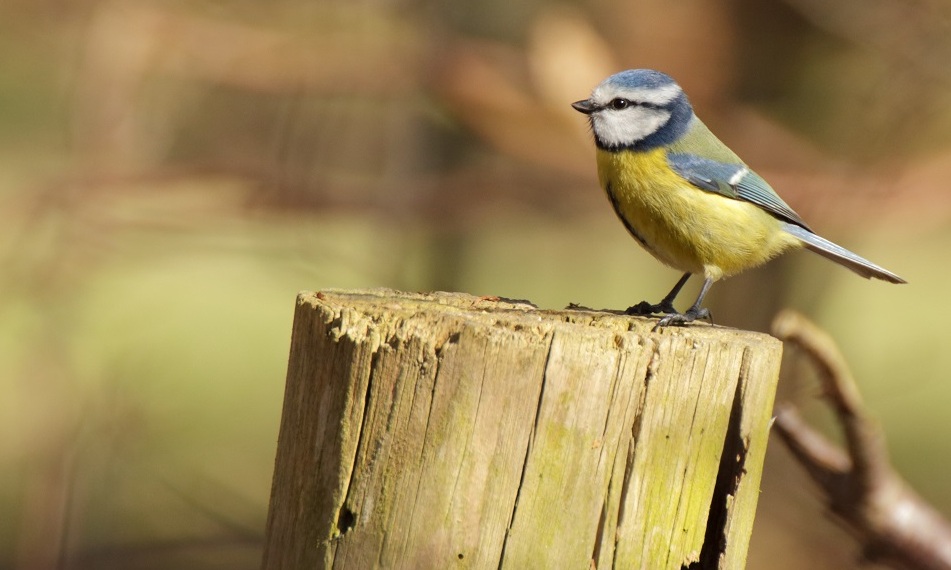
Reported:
(665, 307)
(693, 313)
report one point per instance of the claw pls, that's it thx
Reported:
(680, 319)
(645, 308)
(666, 307)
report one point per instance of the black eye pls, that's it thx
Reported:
(620, 103)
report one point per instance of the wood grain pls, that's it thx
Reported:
(449, 431)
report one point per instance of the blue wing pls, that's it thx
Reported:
(735, 181)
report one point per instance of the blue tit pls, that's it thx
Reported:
(685, 196)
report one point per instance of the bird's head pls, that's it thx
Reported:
(637, 109)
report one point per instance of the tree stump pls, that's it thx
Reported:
(449, 431)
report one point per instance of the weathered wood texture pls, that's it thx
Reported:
(447, 431)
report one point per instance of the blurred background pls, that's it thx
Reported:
(172, 173)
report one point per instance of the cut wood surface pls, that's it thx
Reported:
(444, 430)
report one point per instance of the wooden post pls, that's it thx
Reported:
(448, 431)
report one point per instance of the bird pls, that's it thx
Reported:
(688, 199)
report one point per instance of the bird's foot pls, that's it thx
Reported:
(645, 308)
(681, 319)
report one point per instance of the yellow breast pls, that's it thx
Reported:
(683, 226)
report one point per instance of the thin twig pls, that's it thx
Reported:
(892, 523)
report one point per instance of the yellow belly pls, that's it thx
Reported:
(683, 226)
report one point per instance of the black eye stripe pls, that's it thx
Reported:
(620, 103)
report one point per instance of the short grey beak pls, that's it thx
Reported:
(585, 106)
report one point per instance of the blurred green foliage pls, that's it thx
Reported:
(172, 173)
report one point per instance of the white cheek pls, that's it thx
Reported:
(618, 128)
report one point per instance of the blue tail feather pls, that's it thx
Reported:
(840, 255)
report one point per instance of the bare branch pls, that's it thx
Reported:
(893, 524)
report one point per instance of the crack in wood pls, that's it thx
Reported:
(528, 448)
(729, 475)
(649, 373)
(346, 505)
(438, 353)
(605, 505)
